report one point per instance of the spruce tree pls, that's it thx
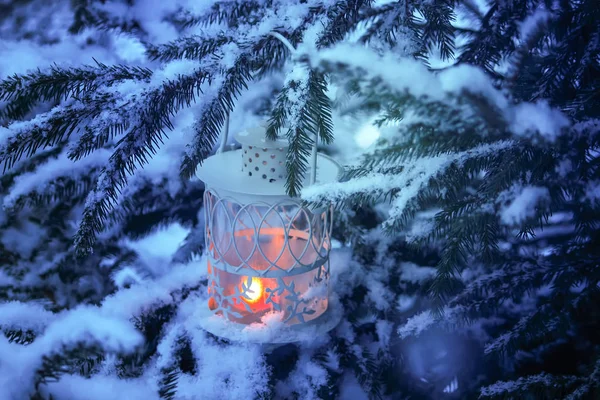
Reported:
(468, 239)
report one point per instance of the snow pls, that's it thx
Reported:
(367, 135)
(509, 387)
(43, 178)
(384, 332)
(522, 204)
(234, 370)
(22, 238)
(129, 48)
(529, 25)
(416, 324)
(237, 370)
(422, 225)
(306, 379)
(6, 280)
(538, 118)
(405, 303)
(414, 273)
(379, 294)
(424, 321)
(75, 387)
(16, 315)
(173, 70)
(408, 75)
(80, 326)
(89, 326)
(592, 192)
(143, 297)
(126, 276)
(157, 249)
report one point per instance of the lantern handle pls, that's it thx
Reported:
(225, 135)
(283, 40)
(313, 161)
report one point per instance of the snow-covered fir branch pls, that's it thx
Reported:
(465, 239)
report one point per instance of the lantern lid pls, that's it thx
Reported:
(258, 169)
(257, 137)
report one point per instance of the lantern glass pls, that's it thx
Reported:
(262, 237)
(267, 257)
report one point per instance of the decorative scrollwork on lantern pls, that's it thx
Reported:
(266, 240)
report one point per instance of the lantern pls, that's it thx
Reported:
(267, 253)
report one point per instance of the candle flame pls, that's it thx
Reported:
(254, 291)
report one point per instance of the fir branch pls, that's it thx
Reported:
(192, 246)
(134, 149)
(168, 383)
(296, 161)
(66, 361)
(213, 116)
(193, 47)
(342, 16)
(22, 337)
(24, 91)
(233, 13)
(99, 132)
(62, 189)
(279, 114)
(384, 22)
(437, 31)
(544, 385)
(319, 105)
(50, 128)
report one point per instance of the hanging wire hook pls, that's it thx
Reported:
(283, 40)
(225, 135)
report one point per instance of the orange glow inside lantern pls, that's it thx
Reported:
(255, 290)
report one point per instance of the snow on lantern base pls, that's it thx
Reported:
(267, 253)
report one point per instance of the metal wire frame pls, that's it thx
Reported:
(217, 255)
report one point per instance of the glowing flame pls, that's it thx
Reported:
(255, 290)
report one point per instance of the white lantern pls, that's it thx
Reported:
(267, 253)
